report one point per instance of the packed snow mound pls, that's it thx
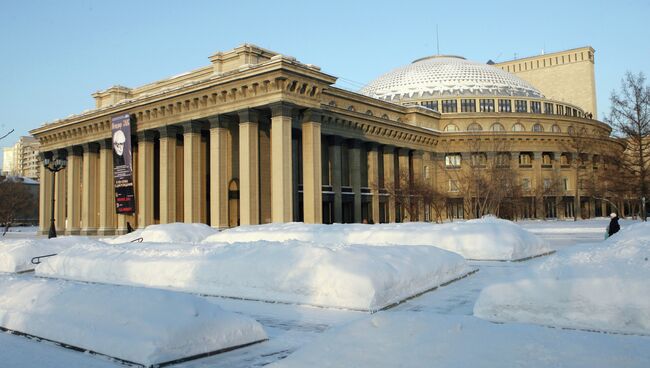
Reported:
(16, 254)
(482, 239)
(399, 339)
(177, 232)
(597, 287)
(356, 277)
(144, 326)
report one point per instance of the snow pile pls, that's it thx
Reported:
(355, 277)
(16, 254)
(488, 238)
(145, 326)
(601, 287)
(400, 339)
(168, 233)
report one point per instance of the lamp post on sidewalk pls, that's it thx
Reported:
(54, 166)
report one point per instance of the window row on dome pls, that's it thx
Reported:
(498, 127)
(503, 105)
(522, 159)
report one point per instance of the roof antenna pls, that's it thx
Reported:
(437, 41)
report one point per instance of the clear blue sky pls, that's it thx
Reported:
(54, 54)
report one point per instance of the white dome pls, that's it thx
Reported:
(441, 75)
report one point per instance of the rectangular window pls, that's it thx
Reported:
(487, 105)
(433, 105)
(468, 105)
(525, 160)
(525, 184)
(567, 112)
(547, 183)
(560, 109)
(452, 160)
(453, 185)
(548, 108)
(535, 107)
(521, 105)
(478, 159)
(503, 160)
(565, 183)
(449, 106)
(575, 112)
(505, 106)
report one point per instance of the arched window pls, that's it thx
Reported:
(332, 103)
(497, 127)
(538, 128)
(451, 128)
(571, 130)
(518, 127)
(351, 108)
(556, 128)
(384, 116)
(369, 112)
(474, 127)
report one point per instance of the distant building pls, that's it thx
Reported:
(22, 159)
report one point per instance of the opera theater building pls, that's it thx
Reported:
(258, 137)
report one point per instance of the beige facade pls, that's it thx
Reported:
(566, 76)
(259, 137)
(22, 158)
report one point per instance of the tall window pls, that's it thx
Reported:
(487, 105)
(505, 106)
(503, 159)
(478, 159)
(565, 183)
(556, 128)
(525, 184)
(548, 108)
(453, 185)
(497, 127)
(521, 106)
(535, 107)
(468, 105)
(560, 109)
(546, 159)
(525, 159)
(452, 160)
(449, 106)
(538, 128)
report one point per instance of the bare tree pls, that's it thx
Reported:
(15, 201)
(630, 117)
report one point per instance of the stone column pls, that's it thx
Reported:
(145, 178)
(335, 158)
(45, 195)
(354, 148)
(248, 167)
(389, 179)
(540, 211)
(60, 190)
(192, 183)
(219, 171)
(373, 180)
(418, 177)
(168, 174)
(312, 168)
(73, 182)
(106, 189)
(89, 195)
(281, 163)
(404, 179)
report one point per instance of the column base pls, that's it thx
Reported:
(89, 231)
(106, 231)
(120, 231)
(73, 232)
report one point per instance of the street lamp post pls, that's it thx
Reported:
(54, 166)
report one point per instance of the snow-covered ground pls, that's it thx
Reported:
(16, 253)
(603, 286)
(294, 329)
(168, 233)
(407, 339)
(482, 239)
(140, 325)
(359, 277)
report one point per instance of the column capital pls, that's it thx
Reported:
(106, 143)
(281, 109)
(353, 143)
(388, 149)
(192, 126)
(46, 155)
(61, 153)
(372, 146)
(75, 151)
(220, 121)
(90, 147)
(537, 155)
(248, 116)
(312, 116)
(169, 131)
(146, 135)
(403, 151)
(418, 153)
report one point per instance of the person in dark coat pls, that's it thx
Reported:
(613, 227)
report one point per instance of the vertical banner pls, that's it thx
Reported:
(122, 164)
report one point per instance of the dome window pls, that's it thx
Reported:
(474, 127)
(538, 128)
(518, 127)
(497, 127)
(556, 128)
(451, 128)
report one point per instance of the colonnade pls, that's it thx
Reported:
(247, 167)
